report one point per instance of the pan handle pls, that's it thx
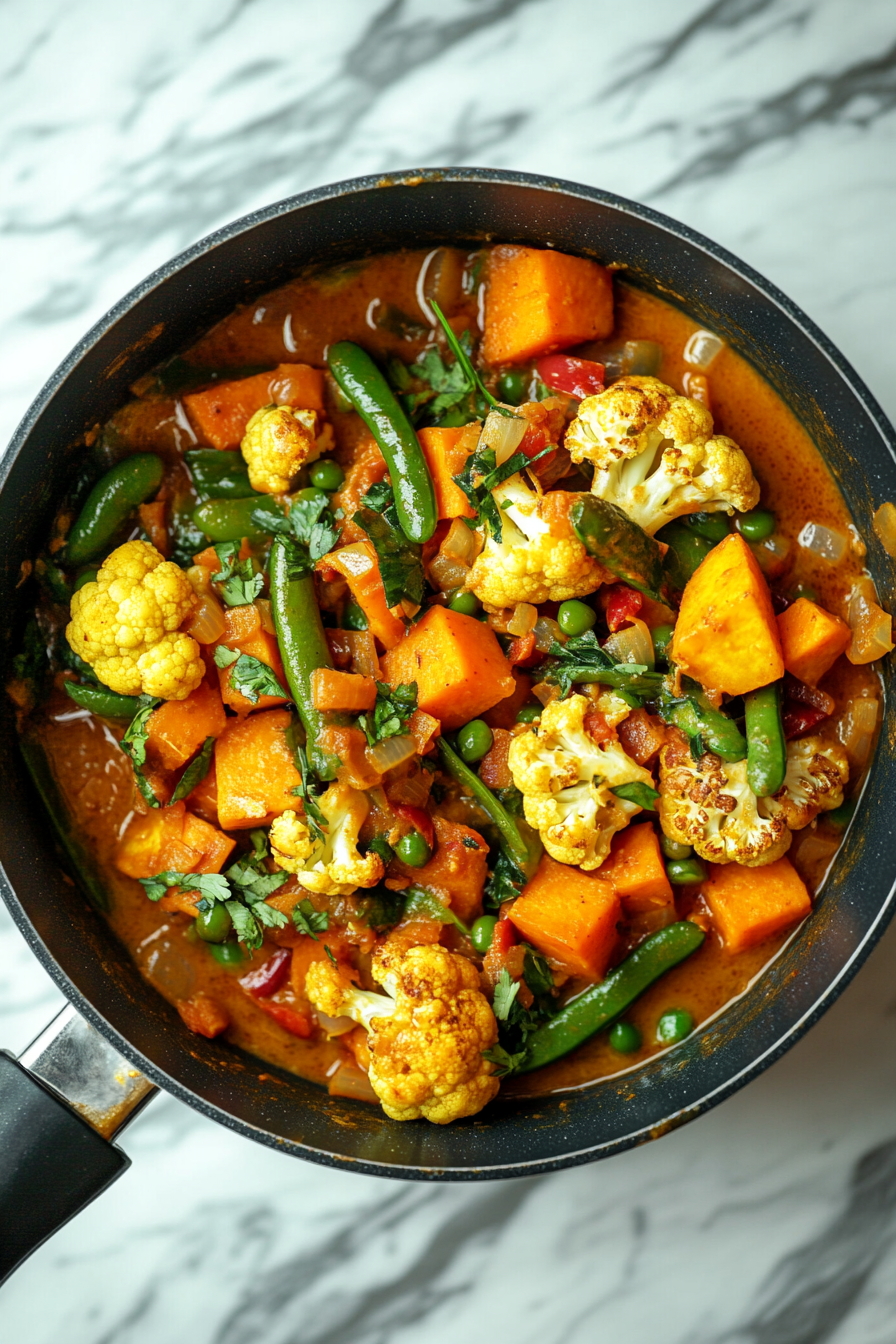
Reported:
(60, 1104)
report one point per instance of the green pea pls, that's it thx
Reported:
(474, 740)
(214, 925)
(89, 576)
(353, 617)
(512, 387)
(625, 1038)
(326, 475)
(757, 524)
(482, 933)
(466, 604)
(529, 713)
(575, 618)
(673, 1026)
(842, 815)
(673, 850)
(713, 526)
(680, 872)
(229, 955)
(662, 638)
(413, 850)
(314, 495)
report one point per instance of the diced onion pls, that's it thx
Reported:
(546, 691)
(701, 349)
(200, 577)
(634, 644)
(335, 1026)
(352, 1082)
(813, 854)
(885, 527)
(363, 651)
(391, 752)
(696, 386)
(823, 542)
(460, 542)
(263, 607)
(872, 627)
(546, 633)
(856, 727)
(207, 622)
(523, 619)
(447, 572)
(503, 434)
(772, 554)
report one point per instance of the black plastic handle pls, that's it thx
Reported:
(52, 1164)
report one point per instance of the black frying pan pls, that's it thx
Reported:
(51, 1161)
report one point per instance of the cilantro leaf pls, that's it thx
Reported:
(419, 901)
(133, 744)
(307, 791)
(581, 659)
(211, 886)
(310, 522)
(537, 974)
(463, 359)
(505, 1062)
(195, 772)
(479, 478)
(392, 712)
(400, 560)
(506, 991)
(251, 677)
(240, 585)
(450, 384)
(310, 921)
(380, 845)
(642, 794)
(505, 883)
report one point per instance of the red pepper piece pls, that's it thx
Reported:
(269, 977)
(623, 604)
(576, 377)
(808, 695)
(800, 719)
(522, 652)
(299, 1024)
(420, 820)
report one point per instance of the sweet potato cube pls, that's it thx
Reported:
(446, 452)
(570, 916)
(243, 631)
(203, 1015)
(635, 867)
(457, 869)
(726, 636)
(171, 839)
(538, 300)
(457, 664)
(220, 414)
(177, 729)
(812, 640)
(750, 904)
(203, 801)
(256, 771)
(359, 566)
(342, 691)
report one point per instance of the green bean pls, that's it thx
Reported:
(713, 526)
(303, 648)
(687, 551)
(103, 702)
(618, 544)
(766, 748)
(86, 576)
(373, 399)
(696, 717)
(518, 841)
(115, 495)
(603, 1004)
(685, 872)
(231, 519)
(219, 474)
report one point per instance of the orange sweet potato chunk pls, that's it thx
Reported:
(538, 300)
(177, 729)
(812, 640)
(359, 566)
(171, 839)
(726, 636)
(446, 451)
(255, 771)
(457, 664)
(243, 631)
(750, 904)
(570, 916)
(220, 414)
(342, 691)
(635, 867)
(456, 870)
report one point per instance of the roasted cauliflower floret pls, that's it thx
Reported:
(709, 804)
(426, 1037)
(278, 441)
(816, 773)
(125, 625)
(538, 559)
(331, 866)
(566, 781)
(655, 455)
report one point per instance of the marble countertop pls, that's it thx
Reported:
(127, 132)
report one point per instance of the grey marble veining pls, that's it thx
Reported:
(126, 132)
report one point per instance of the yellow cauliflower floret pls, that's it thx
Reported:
(535, 560)
(332, 866)
(655, 455)
(278, 441)
(567, 779)
(426, 1037)
(125, 625)
(816, 773)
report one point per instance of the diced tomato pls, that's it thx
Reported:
(800, 719)
(522, 652)
(577, 377)
(597, 727)
(623, 604)
(420, 820)
(532, 443)
(270, 977)
(299, 1024)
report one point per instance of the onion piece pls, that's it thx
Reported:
(856, 728)
(872, 627)
(772, 554)
(503, 434)
(546, 633)
(634, 644)
(263, 606)
(391, 752)
(350, 1081)
(696, 386)
(447, 572)
(459, 542)
(823, 542)
(523, 619)
(701, 349)
(884, 521)
(207, 624)
(335, 1026)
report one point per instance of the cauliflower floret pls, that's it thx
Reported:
(125, 625)
(816, 773)
(655, 455)
(537, 558)
(332, 866)
(709, 804)
(278, 441)
(566, 781)
(426, 1038)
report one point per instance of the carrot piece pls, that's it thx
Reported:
(538, 300)
(213, 846)
(171, 839)
(203, 1015)
(726, 636)
(178, 902)
(203, 801)
(360, 568)
(812, 640)
(446, 452)
(209, 558)
(307, 950)
(152, 520)
(256, 771)
(503, 714)
(493, 768)
(221, 413)
(457, 664)
(457, 869)
(243, 631)
(343, 691)
(424, 729)
(750, 904)
(178, 728)
(641, 735)
(635, 867)
(289, 1018)
(570, 916)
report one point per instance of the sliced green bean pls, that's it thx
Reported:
(696, 717)
(517, 839)
(103, 702)
(688, 548)
(766, 747)
(231, 519)
(620, 545)
(129, 483)
(219, 474)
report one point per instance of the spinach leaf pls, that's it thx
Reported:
(581, 659)
(133, 744)
(310, 921)
(400, 560)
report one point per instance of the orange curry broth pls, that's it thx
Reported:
(296, 323)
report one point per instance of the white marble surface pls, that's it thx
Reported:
(127, 132)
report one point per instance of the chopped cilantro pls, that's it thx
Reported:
(380, 845)
(211, 886)
(400, 560)
(392, 712)
(310, 526)
(251, 677)
(317, 822)
(419, 901)
(506, 991)
(240, 585)
(133, 744)
(195, 772)
(480, 477)
(310, 921)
